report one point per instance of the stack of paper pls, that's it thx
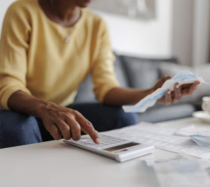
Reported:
(181, 173)
(161, 138)
(192, 130)
(201, 137)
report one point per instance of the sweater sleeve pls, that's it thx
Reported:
(14, 46)
(103, 74)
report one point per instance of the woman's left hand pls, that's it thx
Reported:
(172, 97)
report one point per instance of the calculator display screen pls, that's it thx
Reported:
(124, 146)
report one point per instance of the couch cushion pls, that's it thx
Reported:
(160, 113)
(141, 72)
(120, 72)
(85, 92)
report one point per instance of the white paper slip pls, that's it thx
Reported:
(202, 141)
(192, 130)
(161, 138)
(183, 77)
(151, 161)
(181, 173)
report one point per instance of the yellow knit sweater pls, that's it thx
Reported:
(49, 61)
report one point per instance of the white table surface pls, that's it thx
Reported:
(55, 164)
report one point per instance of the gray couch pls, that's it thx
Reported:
(139, 73)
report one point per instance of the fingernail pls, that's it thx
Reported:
(195, 87)
(177, 86)
(169, 92)
(98, 141)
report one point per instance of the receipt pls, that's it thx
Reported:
(181, 173)
(183, 77)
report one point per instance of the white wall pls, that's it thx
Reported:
(143, 38)
(191, 31)
(135, 37)
(181, 29)
(4, 4)
(209, 42)
(201, 32)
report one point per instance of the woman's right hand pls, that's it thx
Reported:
(64, 122)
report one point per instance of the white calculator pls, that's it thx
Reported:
(114, 148)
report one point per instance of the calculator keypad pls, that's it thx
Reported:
(106, 142)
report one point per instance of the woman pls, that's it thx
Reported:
(48, 47)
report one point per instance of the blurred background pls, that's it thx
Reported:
(177, 28)
(151, 39)
(174, 28)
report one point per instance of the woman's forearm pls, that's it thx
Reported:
(59, 121)
(25, 103)
(125, 96)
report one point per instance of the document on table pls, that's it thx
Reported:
(192, 130)
(161, 138)
(181, 173)
(199, 136)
